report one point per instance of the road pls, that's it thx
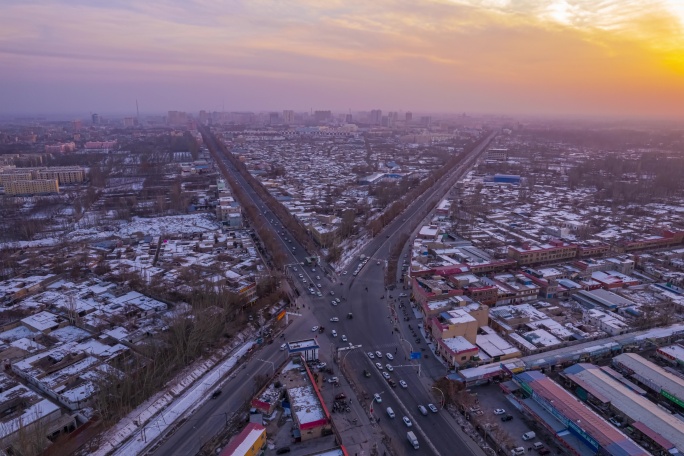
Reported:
(371, 327)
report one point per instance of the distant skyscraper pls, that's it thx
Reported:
(77, 124)
(409, 116)
(376, 116)
(273, 118)
(288, 116)
(177, 118)
(96, 119)
(203, 117)
(348, 118)
(426, 121)
(322, 116)
(128, 122)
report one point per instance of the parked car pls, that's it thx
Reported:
(378, 354)
(215, 394)
(334, 319)
(389, 367)
(371, 355)
(283, 450)
(333, 380)
(378, 365)
(499, 412)
(344, 338)
(506, 418)
(389, 356)
(314, 329)
(386, 375)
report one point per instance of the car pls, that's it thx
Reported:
(337, 300)
(321, 329)
(407, 421)
(403, 384)
(378, 263)
(615, 422)
(543, 451)
(344, 273)
(518, 451)
(332, 293)
(283, 347)
(318, 277)
(334, 333)
(314, 329)
(506, 418)
(340, 397)
(386, 375)
(371, 355)
(283, 450)
(334, 319)
(378, 365)
(333, 380)
(313, 269)
(432, 408)
(377, 398)
(392, 383)
(402, 295)
(304, 281)
(344, 338)
(322, 365)
(294, 269)
(334, 303)
(301, 276)
(378, 354)
(319, 285)
(319, 294)
(389, 367)
(215, 394)
(389, 356)
(499, 412)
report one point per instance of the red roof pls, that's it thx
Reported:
(236, 441)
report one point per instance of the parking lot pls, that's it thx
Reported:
(489, 398)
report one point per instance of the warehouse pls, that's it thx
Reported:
(607, 390)
(652, 377)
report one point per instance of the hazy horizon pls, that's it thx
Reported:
(569, 58)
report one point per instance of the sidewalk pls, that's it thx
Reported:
(138, 430)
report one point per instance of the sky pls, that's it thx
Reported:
(560, 57)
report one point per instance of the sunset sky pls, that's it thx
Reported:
(571, 57)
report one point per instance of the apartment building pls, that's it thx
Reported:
(555, 250)
(31, 187)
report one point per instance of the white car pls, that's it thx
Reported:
(301, 276)
(313, 269)
(333, 303)
(319, 285)
(332, 293)
(322, 365)
(377, 398)
(386, 375)
(389, 367)
(314, 329)
(402, 295)
(407, 421)
(294, 269)
(403, 384)
(337, 300)
(344, 273)
(334, 333)
(333, 380)
(389, 356)
(334, 319)
(344, 338)
(318, 277)
(371, 355)
(432, 408)
(499, 412)
(283, 347)
(378, 354)
(378, 365)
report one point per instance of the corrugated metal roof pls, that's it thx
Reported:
(597, 382)
(583, 417)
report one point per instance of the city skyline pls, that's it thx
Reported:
(498, 56)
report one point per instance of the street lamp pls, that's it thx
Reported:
(443, 397)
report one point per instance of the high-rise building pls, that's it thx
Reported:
(273, 118)
(96, 119)
(322, 116)
(128, 122)
(348, 118)
(376, 116)
(409, 116)
(203, 117)
(77, 124)
(288, 116)
(177, 118)
(33, 186)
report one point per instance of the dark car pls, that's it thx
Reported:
(506, 418)
(392, 383)
(215, 394)
(283, 450)
(340, 397)
(543, 451)
(321, 330)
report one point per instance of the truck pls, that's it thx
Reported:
(412, 438)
